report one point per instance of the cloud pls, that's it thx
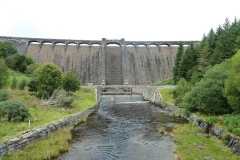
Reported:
(23, 29)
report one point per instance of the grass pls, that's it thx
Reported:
(19, 76)
(193, 145)
(84, 99)
(49, 148)
(167, 95)
(168, 81)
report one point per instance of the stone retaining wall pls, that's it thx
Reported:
(19, 142)
(149, 93)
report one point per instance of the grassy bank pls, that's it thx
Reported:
(168, 81)
(166, 94)
(42, 115)
(193, 144)
(51, 147)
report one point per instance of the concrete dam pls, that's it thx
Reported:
(99, 62)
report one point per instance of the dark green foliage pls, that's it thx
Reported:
(48, 79)
(232, 122)
(3, 73)
(30, 68)
(71, 82)
(226, 42)
(207, 95)
(204, 58)
(14, 83)
(4, 95)
(182, 87)
(19, 62)
(7, 49)
(178, 59)
(232, 84)
(14, 110)
(22, 84)
(32, 86)
(188, 63)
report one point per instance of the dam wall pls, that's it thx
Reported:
(105, 62)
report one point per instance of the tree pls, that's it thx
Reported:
(177, 63)
(48, 79)
(204, 58)
(7, 49)
(225, 45)
(207, 95)
(3, 73)
(19, 62)
(71, 82)
(232, 85)
(188, 63)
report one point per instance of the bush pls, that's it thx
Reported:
(4, 95)
(3, 73)
(232, 87)
(71, 82)
(14, 110)
(22, 84)
(181, 89)
(65, 102)
(32, 86)
(14, 83)
(232, 122)
(207, 95)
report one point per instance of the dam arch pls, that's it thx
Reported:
(136, 65)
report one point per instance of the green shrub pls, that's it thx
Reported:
(22, 84)
(32, 86)
(211, 120)
(207, 95)
(232, 87)
(14, 110)
(4, 95)
(66, 102)
(181, 89)
(71, 82)
(232, 122)
(3, 73)
(14, 83)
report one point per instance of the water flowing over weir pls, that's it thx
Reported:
(124, 127)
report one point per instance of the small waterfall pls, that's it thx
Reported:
(121, 98)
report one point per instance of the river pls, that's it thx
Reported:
(124, 127)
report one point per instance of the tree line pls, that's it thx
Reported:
(45, 82)
(208, 74)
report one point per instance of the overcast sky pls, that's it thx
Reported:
(114, 19)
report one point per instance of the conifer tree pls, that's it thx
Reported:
(188, 63)
(178, 59)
